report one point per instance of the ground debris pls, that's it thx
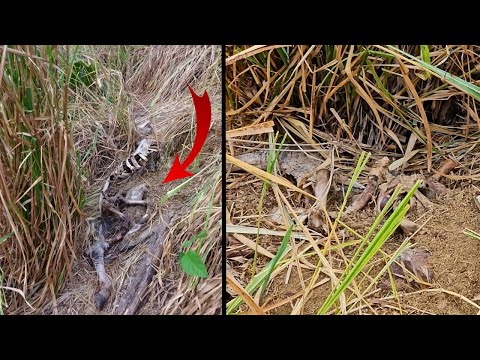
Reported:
(133, 295)
(408, 226)
(296, 164)
(276, 216)
(445, 167)
(376, 175)
(477, 201)
(321, 182)
(416, 261)
(122, 216)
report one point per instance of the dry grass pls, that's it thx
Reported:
(41, 193)
(333, 102)
(127, 86)
(159, 86)
(174, 292)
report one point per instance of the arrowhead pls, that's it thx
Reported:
(177, 171)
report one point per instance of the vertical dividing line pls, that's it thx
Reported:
(224, 185)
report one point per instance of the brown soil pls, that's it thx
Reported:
(454, 256)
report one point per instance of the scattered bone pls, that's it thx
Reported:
(321, 181)
(445, 167)
(129, 242)
(133, 296)
(136, 202)
(293, 163)
(376, 175)
(408, 226)
(417, 262)
(129, 221)
(107, 206)
(96, 254)
(477, 202)
(136, 193)
(276, 216)
(145, 128)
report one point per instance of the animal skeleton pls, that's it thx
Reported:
(134, 196)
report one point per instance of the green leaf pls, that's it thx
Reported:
(5, 237)
(201, 235)
(27, 100)
(467, 87)
(192, 264)
(283, 54)
(82, 74)
(425, 57)
(278, 256)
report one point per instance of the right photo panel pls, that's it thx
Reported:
(352, 179)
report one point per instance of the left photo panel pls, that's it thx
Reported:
(111, 179)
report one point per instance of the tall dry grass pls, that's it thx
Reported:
(371, 97)
(41, 191)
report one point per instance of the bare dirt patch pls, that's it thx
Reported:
(454, 256)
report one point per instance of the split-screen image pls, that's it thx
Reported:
(239, 180)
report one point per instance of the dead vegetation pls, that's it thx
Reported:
(298, 120)
(112, 93)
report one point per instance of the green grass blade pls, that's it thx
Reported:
(467, 232)
(467, 87)
(425, 52)
(273, 154)
(372, 228)
(257, 280)
(383, 235)
(5, 237)
(277, 257)
(362, 161)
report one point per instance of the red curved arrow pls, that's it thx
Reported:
(204, 115)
